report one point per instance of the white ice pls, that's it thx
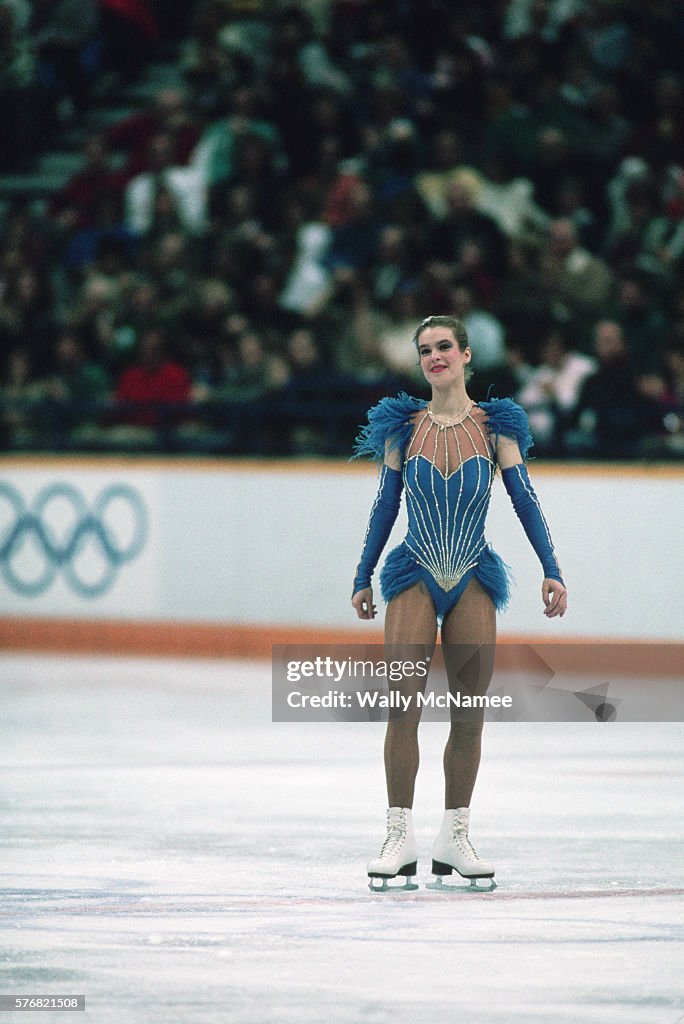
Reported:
(172, 854)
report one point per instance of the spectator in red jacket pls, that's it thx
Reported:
(77, 205)
(170, 115)
(153, 378)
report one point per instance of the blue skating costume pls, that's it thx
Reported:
(447, 473)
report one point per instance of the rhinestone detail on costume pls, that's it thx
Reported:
(448, 474)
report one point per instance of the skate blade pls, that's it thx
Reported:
(408, 886)
(489, 885)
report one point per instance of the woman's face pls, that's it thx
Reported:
(441, 359)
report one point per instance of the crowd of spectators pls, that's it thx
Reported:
(260, 244)
(55, 54)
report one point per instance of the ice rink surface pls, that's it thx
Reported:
(175, 856)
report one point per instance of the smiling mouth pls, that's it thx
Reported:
(437, 369)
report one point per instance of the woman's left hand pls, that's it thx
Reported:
(555, 598)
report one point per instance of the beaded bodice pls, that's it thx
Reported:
(448, 472)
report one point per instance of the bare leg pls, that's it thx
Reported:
(471, 622)
(410, 623)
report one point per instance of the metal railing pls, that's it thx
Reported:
(317, 417)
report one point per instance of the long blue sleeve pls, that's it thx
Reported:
(526, 504)
(382, 518)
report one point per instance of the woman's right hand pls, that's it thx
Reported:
(363, 602)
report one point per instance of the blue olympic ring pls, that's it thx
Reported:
(89, 526)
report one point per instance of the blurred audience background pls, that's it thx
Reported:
(238, 266)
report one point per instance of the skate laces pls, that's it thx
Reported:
(459, 837)
(396, 833)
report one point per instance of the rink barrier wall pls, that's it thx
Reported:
(631, 658)
(236, 555)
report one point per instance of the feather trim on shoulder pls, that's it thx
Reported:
(504, 416)
(389, 420)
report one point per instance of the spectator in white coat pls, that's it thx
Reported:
(166, 196)
(553, 390)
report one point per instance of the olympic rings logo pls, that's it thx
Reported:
(62, 533)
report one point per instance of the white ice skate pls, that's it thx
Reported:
(453, 851)
(398, 856)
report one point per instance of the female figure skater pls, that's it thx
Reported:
(444, 453)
